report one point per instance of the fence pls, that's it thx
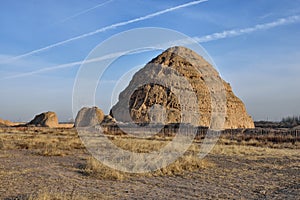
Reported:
(200, 132)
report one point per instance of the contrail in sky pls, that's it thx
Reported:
(237, 32)
(62, 66)
(206, 38)
(85, 11)
(149, 16)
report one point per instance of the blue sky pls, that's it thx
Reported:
(261, 62)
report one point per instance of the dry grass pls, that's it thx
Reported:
(46, 195)
(188, 162)
(63, 141)
(243, 166)
(99, 170)
(253, 152)
(262, 140)
(43, 141)
(182, 165)
(139, 145)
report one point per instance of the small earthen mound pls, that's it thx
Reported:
(5, 122)
(89, 117)
(46, 119)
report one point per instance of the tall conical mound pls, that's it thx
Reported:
(171, 81)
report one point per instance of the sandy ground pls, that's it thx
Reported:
(239, 172)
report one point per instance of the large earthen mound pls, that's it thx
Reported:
(137, 101)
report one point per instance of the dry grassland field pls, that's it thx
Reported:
(154, 100)
(45, 163)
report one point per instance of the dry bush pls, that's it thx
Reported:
(51, 150)
(182, 165)
(97, 169)
(188, 162)
(46, 195)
